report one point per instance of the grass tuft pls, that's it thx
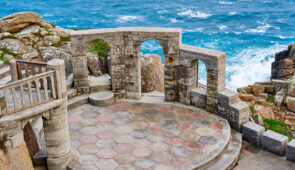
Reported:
(277, 126)
(99, 47)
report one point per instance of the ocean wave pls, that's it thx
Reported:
(260, 29)
(232, 13)
(128, 18)
(173, 20)
(251, 65)
(48, 15)
(283, 37)
(222, 27)
(198, 14)
(193, 30)
(225, 3)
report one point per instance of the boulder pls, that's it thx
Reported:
(291, 103)
(32, 29)
(93, 63)
(280, 97)
(18, 21)
(291, 89)
(5, 35)
(60, 32)
(46, 24)
(257, 89)
(14, 46)
(67, 57)
(247, 98)
(264, 111)
(30, 56)
(285, 72)
(8, 57)
(152, 73)
(50, 40)
(49, 53)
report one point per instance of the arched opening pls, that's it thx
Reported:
(202, 75)
(152, 68)
(98, 57)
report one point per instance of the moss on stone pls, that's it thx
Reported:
(277, 126)
(251, 107)
(61, 41)
(99, 47)
(271, 98)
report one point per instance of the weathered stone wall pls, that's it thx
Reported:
(125, 57)
(284, 65)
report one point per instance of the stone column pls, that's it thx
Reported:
(56, 127)
(13, 70)
(80, 71)
(15, 146)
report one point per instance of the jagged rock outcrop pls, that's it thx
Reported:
(152, 73)
(25, 35)
(284, 65)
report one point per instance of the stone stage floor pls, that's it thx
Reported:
(129, 135)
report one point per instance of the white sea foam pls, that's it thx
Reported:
(48, 15)
(128, 18)
(251, 65)
(260, 29)
(222, 27)
(232, 13)
(283, 37)
(198, 14)
(225, 3)
(173, 20)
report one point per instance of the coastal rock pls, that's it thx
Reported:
(152, 73)
(33, 29)
(245, 90)
(18, 21)
(14, 46)
(247, 98)
(291, 103)
(280, 97)
(5, 35)
(93, 64)
(67, 57)
(50, 40)
(263, 111)
(257, 89)
(49, 53)
(46, 24)
(8, 57)
(29, 56)
(60, 32)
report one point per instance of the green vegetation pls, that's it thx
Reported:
(251, 107)
(277, 126)
(271, 98)
(5, 51)
(99, 47)
(61, 41)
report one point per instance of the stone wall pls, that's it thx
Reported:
(284, 65)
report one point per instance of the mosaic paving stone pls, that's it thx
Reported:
(142, 152)
(108, 164)
(144, 163)
(75, 126)
(169, 124)
(141, 136)
(105, 134)
(207, 140)
(106, 153)
(121, 121)
(179, 151)
(139, 133)
(89, 130)
(88, 159)
(75, 144)
(89, 139)
(124, 138)
(124, 158)
(90, 114)
(180, 161)
(106, 143)
(124, 148)
(106, 117)
(84, 149)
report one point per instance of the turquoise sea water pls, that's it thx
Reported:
(249, 31)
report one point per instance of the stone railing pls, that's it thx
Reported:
(28, 92)
(40, 95)
(21, 69)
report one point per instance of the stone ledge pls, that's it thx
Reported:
(274, 142)
(204, 52)
(252, 133)
(290, 150)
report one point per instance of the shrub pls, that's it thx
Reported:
(99, 47)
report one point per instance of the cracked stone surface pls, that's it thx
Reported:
(142, 136)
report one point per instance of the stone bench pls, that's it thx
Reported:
(101, 99)
(274, 142)
(252, 133)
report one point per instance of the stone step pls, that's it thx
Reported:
(2, 64)
(228, 96)
(239, 114)
(101, 99)
(228, 158)
(5, 80)
(77, 101)
(4, 72)
(71, 93)
(99, 84)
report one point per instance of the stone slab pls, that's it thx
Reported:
(274, 142)
(252, 132)
(290, 150)
(102, 99)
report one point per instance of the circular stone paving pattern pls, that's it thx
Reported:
(144, 136)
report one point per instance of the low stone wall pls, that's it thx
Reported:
(269, 140)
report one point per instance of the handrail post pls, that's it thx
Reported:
(56, 127)
(13, 70)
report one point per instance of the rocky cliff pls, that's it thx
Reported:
(284, 65)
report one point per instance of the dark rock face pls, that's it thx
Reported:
(284, 65)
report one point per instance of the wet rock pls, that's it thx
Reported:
(152, 73)
(18, 21)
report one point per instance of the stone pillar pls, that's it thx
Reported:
(15, 146)
(56, 127)
(80, 71)
(13, 70)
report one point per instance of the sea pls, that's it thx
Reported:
(249, 31)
